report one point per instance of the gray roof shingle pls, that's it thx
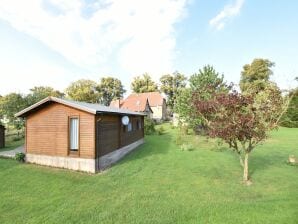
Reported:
(88, 107)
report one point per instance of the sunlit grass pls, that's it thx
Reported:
(160, 183)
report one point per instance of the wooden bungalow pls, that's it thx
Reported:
(79, 136)
(2, 136)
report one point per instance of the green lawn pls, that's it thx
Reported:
(159, 183)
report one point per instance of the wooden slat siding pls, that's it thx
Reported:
(26, 135)
(107, 134)
(143, 129)
(47, 131)
(134, 135)
(2, 136)
(110, 135)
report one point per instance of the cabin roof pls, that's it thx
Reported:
(88, 107)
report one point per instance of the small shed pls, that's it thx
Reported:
(2, 136)
(79, 136)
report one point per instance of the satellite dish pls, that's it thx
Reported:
(125, 120)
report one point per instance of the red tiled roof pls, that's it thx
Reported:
(138, 101)
(134, 104)
(154, 98)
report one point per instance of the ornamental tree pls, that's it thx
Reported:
(242, 120)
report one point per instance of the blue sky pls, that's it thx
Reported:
(55, 42)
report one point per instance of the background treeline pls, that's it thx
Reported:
(178, 89)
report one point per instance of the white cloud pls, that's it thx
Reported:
(139, 35)
(229, 11)
(34, 74)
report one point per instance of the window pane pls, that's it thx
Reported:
(74, 133)
(129, 127)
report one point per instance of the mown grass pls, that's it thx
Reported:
(160, 183)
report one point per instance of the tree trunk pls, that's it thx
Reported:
(245, 172)
(241, 161)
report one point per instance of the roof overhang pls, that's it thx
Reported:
(37, 105)
(27, 110)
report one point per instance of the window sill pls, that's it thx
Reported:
(73, 153)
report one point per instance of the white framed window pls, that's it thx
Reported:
(129, 127)
(74, 133)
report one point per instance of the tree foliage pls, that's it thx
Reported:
(242, 120)
(83, 90)
(10, 104)
(256, 74)
(143, 84)
(38, 93)
(290, 118)
(170, 85)
(204, 83)
(204, 78)
(149, 126)
(109, 89)
(183, 106)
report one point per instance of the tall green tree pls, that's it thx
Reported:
(204, 83)
(109, 89)
(11, 104)
(170, 85)
(207, 76)
(290, 118)
(143, 84)
(256, 74)
(38, 93)
(83, 90)
(183, 106)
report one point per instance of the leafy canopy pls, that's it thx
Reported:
(10, 105)
(83, 90)
(109, 89)
(170, 85)
(143, 84)
(38, 93)
(204, 83)
(290, 118)
(256, 74)
(242, 120)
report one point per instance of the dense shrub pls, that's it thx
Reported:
(20, 157)
(149, 126)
